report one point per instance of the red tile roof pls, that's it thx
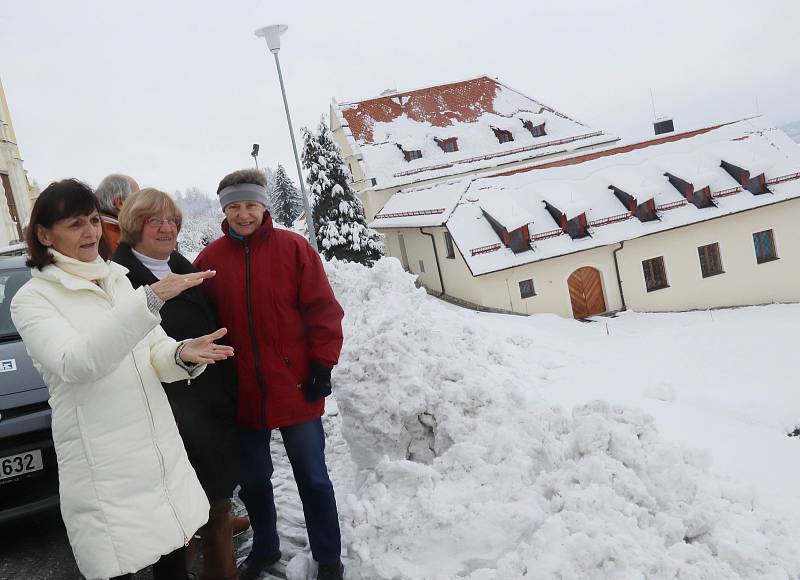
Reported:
(441, 105)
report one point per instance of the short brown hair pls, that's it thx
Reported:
(59, 201)
(140, 206)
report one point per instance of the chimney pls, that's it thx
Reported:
(663, 125)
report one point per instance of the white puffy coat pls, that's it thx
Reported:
(128, 492)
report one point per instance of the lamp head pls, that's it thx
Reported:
(272, 34)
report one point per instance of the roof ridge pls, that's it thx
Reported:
(659, 140)
(418, 89)
(544, 105)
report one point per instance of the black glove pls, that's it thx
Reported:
(319, 384)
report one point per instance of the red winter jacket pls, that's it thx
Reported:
(272, 294)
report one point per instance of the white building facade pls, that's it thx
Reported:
(16, 194)
(692, 220)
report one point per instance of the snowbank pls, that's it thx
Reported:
(465, 472)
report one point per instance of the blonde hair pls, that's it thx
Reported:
(140, 206)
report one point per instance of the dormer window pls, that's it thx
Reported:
(502, 135)
(577, 227)
(448, 145)
(536, 130)
(755, 184)
(518, 239)
(410, 154)
(699, 197)
(645, 211)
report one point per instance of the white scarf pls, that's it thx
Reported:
(91, 271)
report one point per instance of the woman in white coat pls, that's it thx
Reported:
(129, 497)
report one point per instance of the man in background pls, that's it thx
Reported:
(111, 194)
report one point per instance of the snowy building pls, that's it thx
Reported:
(18, 195)
(469, 127)
(699, 219)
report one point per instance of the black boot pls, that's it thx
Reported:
(332, 571)
(254, 564)
(172, 566)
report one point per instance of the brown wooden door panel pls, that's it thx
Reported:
(586, 292)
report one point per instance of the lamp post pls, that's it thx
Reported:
(254, 153)
(272, 34)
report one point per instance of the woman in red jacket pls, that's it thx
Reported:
(273, 295)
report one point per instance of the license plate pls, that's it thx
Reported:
(20, 464)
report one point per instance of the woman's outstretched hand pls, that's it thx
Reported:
(202, 350)
(174, 284)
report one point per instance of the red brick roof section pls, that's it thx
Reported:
(441, 106)
(615, 150)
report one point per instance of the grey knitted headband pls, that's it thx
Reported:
(243, 192)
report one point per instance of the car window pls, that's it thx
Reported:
(10, 282)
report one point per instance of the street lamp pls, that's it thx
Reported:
(272, 34)
(254, 153)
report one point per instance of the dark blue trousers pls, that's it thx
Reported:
(305, 447)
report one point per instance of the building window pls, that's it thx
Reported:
(422, 266)
(655, 277)
(536, 130)
(448, 244)
(502, 135)
(448, 145)
(526, 288)
(410, 154)
(12, 203)
(765, 246)
(710, 262)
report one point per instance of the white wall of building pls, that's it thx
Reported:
(419, 252)
(501, 289)
(11, 165)
(743, 282)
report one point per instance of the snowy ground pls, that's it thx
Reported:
(482, 446)
(477, 446)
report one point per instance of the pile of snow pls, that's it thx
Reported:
(466, 472)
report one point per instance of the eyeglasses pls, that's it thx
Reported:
(157, 222)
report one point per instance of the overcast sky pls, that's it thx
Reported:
(176, 92)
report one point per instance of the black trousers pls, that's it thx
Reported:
(171, 566)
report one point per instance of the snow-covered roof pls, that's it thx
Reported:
(421, 207)
(467, 110)
(507, 213)
(581, 184)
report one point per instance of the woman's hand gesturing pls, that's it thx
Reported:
(202, 350)
(174, 284)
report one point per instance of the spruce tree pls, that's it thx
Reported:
(285, 200)
(337, 212)
(270, 175)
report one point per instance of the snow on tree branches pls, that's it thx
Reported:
(285, 200)
(201, 220)
(338, 214)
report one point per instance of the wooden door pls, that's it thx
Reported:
(586, 292)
